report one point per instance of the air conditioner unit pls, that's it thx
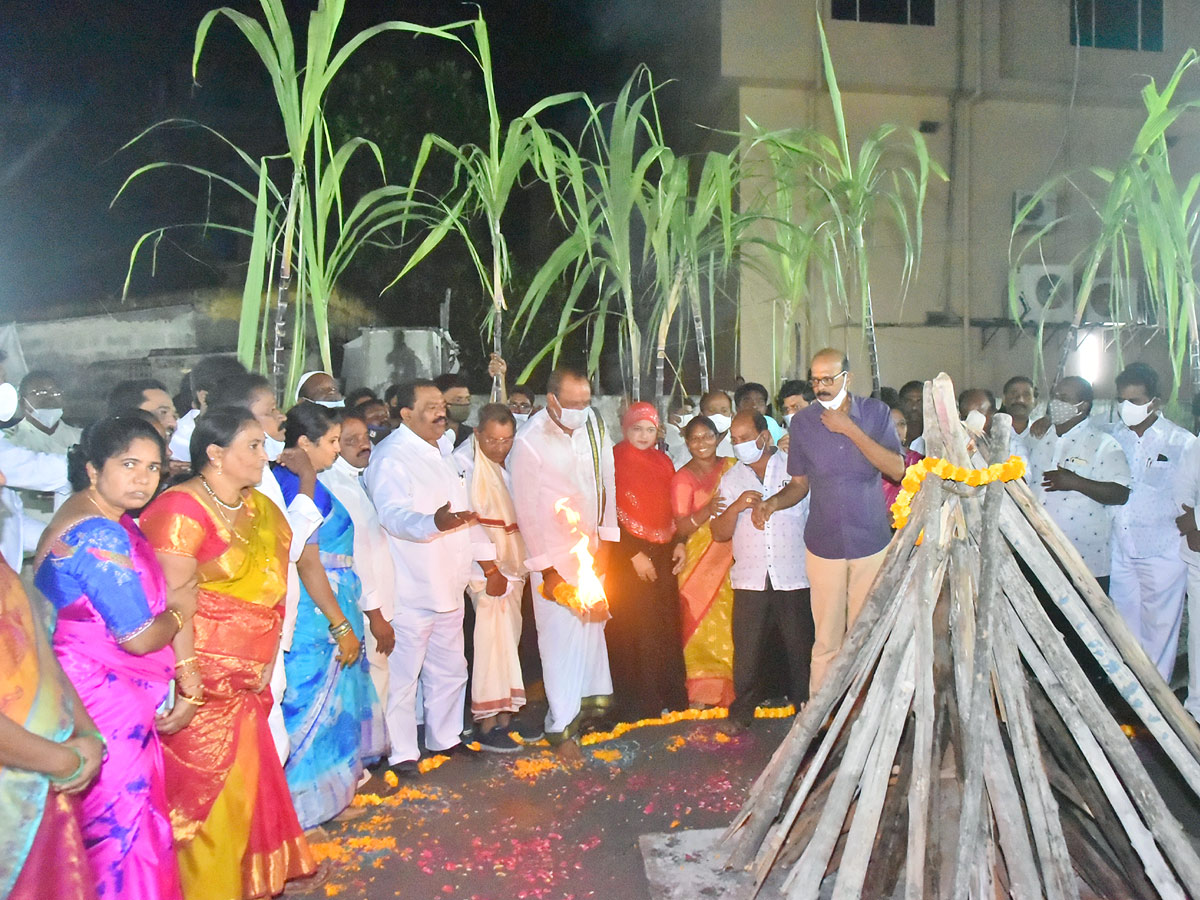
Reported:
(1044, 211)
(1046, 293)
(1123, 303)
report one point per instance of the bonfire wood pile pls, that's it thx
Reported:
(957, 748)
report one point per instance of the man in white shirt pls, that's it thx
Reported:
(1189, 550)
(719, 409)
(1079, 473)
(205, 375)
(770, 585)
(1149, 577)
(563, 457)
(421, 498)
(28, 470)
(372, 559)
(497, 687)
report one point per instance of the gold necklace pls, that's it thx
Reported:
(232, 508)
(91, 495)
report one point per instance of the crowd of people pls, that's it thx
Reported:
(256, 614)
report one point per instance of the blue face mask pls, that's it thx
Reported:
(378, 432)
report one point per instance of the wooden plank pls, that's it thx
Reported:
(980, 696)
(749, 828)
(1020, 533)
(1105, 613)
(1004, 801)
(1057, 876)
(1117, 768)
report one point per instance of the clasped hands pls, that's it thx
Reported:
(760, 509)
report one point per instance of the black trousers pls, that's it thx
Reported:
(756, 616)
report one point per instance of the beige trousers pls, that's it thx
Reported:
(839, 589)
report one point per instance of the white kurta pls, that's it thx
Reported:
(181, 440)
(1149, 576)
(372, 559)
(33, 471)
(547, 465)
(409, 480)
(1189, 494)
(1090, 453)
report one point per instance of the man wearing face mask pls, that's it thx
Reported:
(458, 404)
(1149, 576)
(41, 428)
(1077, 472)
(563, 453)
(841, 448)
(770, 585)
(378, 418)
(520, 403)
(719, 409)
(320, 388)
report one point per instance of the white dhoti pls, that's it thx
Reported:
(429, 651)
(496, 682)
(574, 665)
(1192, 703)
(379, 672)
(279, 732)
(1149, 593)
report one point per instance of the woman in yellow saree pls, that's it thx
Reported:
(236, 831)
(705, 594)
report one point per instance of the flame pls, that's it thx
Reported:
(589, 594)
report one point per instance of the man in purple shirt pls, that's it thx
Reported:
(840, 447)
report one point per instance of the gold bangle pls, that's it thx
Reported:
(195, 701)
(178, 617)
(179, 664)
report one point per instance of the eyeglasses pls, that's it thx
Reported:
(520, 406)
(827, 380)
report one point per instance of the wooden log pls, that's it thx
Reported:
(747, 831)
(1004, 801)
(872, 791)
(1025, 541)
(887, 857)
(1102, 609)
(804, 880)
(898, 616)
(980, 696)
(1057, 876)
(745, 834)
(1118, 769)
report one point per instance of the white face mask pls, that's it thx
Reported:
(9, 401)
(836, 401)
(787, 420)
(975, 422)
(721, 421)
(748, 451)
(1132, 414)
(521, 418)
(47, 417)
(1061, 411)
(273, 448)
(573, 418)
(330, 404)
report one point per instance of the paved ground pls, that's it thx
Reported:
(524, 827)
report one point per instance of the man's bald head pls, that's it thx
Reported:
(830, 356)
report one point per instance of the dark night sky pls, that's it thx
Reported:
(80, 78)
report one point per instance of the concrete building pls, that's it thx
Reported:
(1005, 97)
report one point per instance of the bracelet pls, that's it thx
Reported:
(182, 663)
(78, 769)
(178, 617)
(195, 701)
(342, 628)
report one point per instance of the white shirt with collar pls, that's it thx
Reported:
(372, 559)
(1145, 525)
(33, 471)
(778, 548)
(1090, 453)
(409, 480)
(547, 465)
(181, 440)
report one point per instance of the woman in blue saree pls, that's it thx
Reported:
(330, 706)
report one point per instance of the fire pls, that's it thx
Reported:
(589, 595)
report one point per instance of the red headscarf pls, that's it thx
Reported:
(644, 483)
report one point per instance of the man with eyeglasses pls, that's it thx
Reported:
(41, 428)
(839, 450)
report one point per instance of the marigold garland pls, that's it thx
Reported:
(1011, 470)
(682, 715)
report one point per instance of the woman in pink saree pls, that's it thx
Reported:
(113, 639)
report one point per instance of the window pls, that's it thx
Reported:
(1117, 24)
(893, 12)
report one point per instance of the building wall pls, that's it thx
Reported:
(998, 84)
